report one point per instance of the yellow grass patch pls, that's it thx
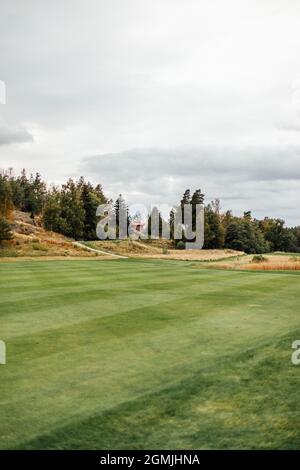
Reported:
(273, 263)
(156, 249)
(287, 266)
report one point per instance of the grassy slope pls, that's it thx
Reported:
(147, 354)
(31, 240)
(155, 249)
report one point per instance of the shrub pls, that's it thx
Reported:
(259, 259)
(180, 245)
(165, 250)
(295, 259)
(39, 247)
(6, 253)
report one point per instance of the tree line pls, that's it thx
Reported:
(245, 233)
(70, 209)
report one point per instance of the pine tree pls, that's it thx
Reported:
(121, 208)
(197, 199)
(155, 218)
(171, 223)
(90, 205)
(186, 198)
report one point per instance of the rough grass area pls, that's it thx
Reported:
(269, 262)
(277, 266)
(160, 249)
(132, 354)
(30, 240)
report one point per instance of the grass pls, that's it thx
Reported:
(265, 266)
(161, 249)
(266, 262)
(137, 354)
(39, 247)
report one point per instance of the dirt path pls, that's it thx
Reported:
(82, 245)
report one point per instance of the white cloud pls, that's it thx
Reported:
(96, 77)
(14, 135)
(264, 179)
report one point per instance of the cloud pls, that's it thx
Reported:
(137, 166)
(16, 135)
(262, 178)
(208, 102)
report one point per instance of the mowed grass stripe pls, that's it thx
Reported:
(66, 373)
(46, 303)
(203, 411)
(47, 308)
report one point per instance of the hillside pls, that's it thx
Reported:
(30, 240)
(163, 249)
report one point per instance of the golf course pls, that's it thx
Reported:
(147, 354)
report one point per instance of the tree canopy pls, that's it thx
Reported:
(71, 210)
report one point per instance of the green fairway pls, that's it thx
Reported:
(135, 354)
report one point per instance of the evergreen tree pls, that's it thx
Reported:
(186, 198)
(156, 219)
(121, 208)
(197, 198)
(171, 223)
(90, 204)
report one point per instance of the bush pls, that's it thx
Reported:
(39, 247)
(6, 253)
(180, 245)
(165, 249)
(259, 259)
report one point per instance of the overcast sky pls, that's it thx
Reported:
(149, 97)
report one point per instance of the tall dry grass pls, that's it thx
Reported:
(275, 266)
